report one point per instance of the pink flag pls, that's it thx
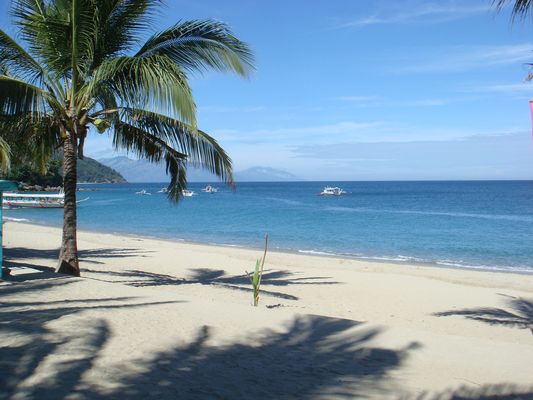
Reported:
(531, 108)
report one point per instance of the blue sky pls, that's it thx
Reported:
(379, 90)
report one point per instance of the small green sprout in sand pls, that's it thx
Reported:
(255, 279)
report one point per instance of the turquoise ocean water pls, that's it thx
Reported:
(482, 224)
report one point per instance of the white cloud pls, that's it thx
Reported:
(462, 58)
(225, 109)
(509, 88)
(319, 133)
(504, 156)
(377, 101)
(433, 12)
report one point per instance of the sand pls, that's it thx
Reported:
(172, 320)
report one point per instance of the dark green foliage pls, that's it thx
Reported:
(26, 174)
(89, 171)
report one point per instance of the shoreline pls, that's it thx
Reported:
(311, 253)
(470, 276)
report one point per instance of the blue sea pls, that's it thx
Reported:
(479, 224)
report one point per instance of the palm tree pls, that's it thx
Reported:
(79, 70)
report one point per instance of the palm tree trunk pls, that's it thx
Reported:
(68, 257)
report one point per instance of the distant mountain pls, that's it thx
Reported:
(264, 174)
(145, 171)
(92, 171)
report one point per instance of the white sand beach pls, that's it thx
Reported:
(170, 320)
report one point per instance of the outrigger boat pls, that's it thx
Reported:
(210, 189)
(35, 200)
(187, 193)
(332, 191)
(144, 193)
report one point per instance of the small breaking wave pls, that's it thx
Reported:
(16, 219)
(506, 217)
(401, 259)
(317, 253)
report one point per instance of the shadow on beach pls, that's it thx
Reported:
(44, 355)
(29, 347)
(484, 392)
(216, 277)
(313, 356)
(518, 315)
(17, 255)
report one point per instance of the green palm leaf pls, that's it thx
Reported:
(117, 23)
(14, 58)
(152, 83)
(33, 139)
(5, 155)
(20, 97)
(150, 147)
(201, 45)
(195, 147)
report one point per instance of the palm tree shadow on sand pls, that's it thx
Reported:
(483, 392)
(43, 357)
(311, 357)
(28, 345)
(518, 315)
(315, 356)
(21, 256)
(216, 277)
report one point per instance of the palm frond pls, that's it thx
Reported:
(33, 139)
(202, 150)
(14, 58)
(153, 83)
(45, 26)
(150, 147)
(201, 45)
(119, 23)
(521, 8)
(17, 96)
(5, 155)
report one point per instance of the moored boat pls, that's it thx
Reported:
(187, 193)
(143, 192)
(33, 200)
(210, 189)
(332, 191)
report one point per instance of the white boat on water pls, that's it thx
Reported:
(332, 191)
(163, 190)
(187, 193)
(143, 193)
(210, 189)
(35, 200)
